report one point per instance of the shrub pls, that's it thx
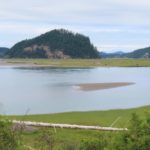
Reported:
(138, 136)
(9, 138)
(45, 140)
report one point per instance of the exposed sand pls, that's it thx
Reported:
(102, 86)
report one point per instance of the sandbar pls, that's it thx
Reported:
(102, 86)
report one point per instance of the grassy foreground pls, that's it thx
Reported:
(101, 118)
(83, 62)
(71, 139)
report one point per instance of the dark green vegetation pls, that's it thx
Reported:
(136, 138)
(81, 62)
(140, 53)
(3, 51)
(55, 44)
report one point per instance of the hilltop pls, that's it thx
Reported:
(55, 44)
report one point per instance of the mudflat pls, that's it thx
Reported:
(102, 86)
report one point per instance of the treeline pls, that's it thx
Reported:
(56, 43)
(3, 51)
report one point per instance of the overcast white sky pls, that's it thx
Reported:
(112, 25)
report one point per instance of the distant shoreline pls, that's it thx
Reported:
(102, 86)
(4, 62)
(76, 63)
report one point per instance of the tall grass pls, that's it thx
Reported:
(120, 62)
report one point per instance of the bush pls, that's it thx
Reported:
(69, 146)
(9, 138)
(98, 144)
(45, 140)
(138, 136)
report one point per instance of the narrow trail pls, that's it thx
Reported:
(71, 126)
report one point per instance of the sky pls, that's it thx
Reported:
(112, 25)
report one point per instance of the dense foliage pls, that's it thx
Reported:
(50, 44)
(9, 137)
(3, 51)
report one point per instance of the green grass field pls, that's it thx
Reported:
(74, 137)
(83, 62)
(64, 136)
(101, 118)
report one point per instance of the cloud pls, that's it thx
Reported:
(128, 48)
(79, 12)
(108, 22)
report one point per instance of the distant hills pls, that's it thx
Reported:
(3, 51)
(55, 44)
(112, 55)
(61, 43)
(140, 53)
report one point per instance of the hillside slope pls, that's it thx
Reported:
(3, 50)
(140, 53)
(55, 44)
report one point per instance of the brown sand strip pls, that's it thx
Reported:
(102, 86)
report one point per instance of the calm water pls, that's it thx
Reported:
(47, 90)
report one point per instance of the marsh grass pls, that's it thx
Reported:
(116, 62)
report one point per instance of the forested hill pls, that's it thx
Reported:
(3, 51)
(140, 53)
(55, 44)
